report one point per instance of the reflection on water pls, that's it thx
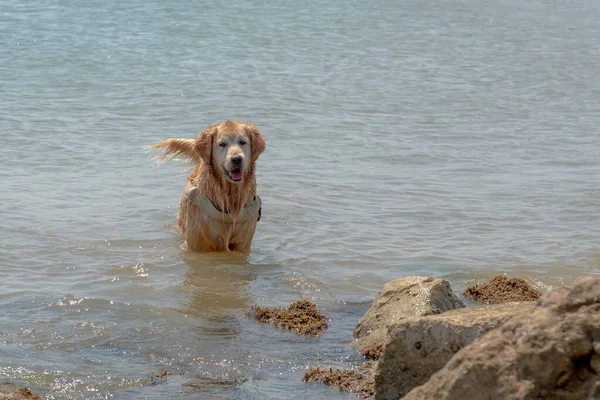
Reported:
(216, 284)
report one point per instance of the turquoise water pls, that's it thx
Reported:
(456, 139)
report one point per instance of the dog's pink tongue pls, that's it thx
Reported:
(236, 175)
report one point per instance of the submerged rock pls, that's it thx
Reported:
(417, 348)
(11, 392)
(551, 352)
(358, 381)
(207, 382)
(399, 300)
(302, 317)
(501, 289)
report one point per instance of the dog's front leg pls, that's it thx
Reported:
(242, 241)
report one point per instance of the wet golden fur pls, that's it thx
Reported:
(213, 154)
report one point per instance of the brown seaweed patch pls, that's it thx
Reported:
(360, 381)
(20, 393)
(201, 383)
(157, 378)
(501, 289)
(372, 352)
(302, 317)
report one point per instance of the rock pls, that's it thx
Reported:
(546, 353)
(501, 289)
(398, 300)
(595, 363)
(415, 349)
(9, 391)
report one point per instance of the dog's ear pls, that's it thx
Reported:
(184, 148)
(257, 140)
(204, 143)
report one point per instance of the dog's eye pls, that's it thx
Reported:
(222, 144)
(242, 142)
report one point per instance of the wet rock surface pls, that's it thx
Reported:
(398, 300)
(9, 391)
(358, 381)
(417, 348)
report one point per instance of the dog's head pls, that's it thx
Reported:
(231, 148)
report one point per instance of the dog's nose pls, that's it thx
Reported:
(236, 160)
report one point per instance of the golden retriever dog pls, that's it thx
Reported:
(219, 208)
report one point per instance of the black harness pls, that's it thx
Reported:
(254, 198)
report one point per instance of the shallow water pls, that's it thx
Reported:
(456, 139)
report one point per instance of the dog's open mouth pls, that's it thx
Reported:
(235, 174)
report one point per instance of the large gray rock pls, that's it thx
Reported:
(416, 349)
(553, 352)
(399, 300)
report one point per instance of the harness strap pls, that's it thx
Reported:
(200, 200)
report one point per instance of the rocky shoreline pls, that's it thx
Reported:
(421, 342)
